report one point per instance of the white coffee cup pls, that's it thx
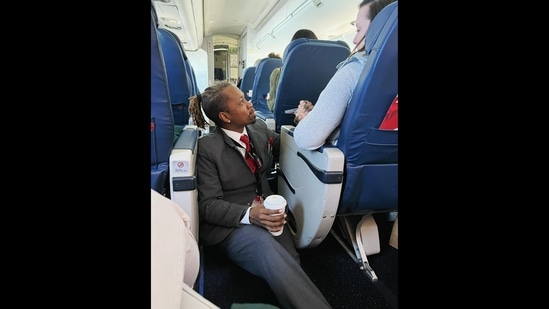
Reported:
(275, 202)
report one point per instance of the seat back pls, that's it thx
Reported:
(162, 125)
(180, 75)
(247, 82)
(261, 85)
(371, 154)
(307, 67)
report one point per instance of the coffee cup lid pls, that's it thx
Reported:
(275, 200)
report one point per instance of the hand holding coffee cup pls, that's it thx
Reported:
(275, 202)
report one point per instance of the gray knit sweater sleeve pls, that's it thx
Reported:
(314, 129)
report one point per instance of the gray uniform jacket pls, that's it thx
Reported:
(226, 185)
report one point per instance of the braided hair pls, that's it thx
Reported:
(212, 101)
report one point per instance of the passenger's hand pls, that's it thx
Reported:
(262, 216)
(305, 106)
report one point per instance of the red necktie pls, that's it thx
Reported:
(249, 159)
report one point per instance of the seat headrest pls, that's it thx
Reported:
(300, 41)
(292, 44)
(386, 15)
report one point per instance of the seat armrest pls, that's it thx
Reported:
(183, 187)
(311, 182)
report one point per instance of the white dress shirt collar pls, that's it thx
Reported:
(236, 136)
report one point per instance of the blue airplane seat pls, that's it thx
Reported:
(190, 70)
(308, 65)
(194, 89)
(162, 125)
(371, 154)
(261, 87)
(247, 82)
(180, 81)
(359, 175)
(172, 163)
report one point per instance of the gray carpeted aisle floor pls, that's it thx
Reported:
(328, 265)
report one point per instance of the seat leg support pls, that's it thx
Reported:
(364, 238)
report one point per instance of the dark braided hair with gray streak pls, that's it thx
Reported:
(212, 101)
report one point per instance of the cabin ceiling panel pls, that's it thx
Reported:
(184, 18)
(330, 19)
(232, 16)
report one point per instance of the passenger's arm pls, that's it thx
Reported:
(313, 130)
(273, 84)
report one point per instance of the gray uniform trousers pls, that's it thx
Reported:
(276, 260)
